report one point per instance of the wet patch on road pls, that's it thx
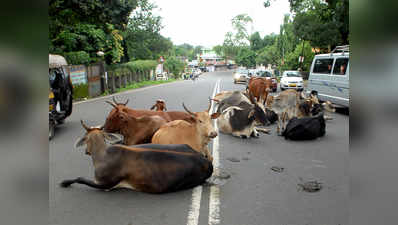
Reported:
(310, 186)
(219, 179)
(277, 169)
(233, 159)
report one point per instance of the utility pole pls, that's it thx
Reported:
(302, 55)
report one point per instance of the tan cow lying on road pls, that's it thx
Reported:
(160, 105)
(196, 134)
(135, 130)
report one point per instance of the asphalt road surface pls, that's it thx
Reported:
(252, 195)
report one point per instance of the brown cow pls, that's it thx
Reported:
(196, 134)
(160, 105)
(147, 168)
(259, 88)
(135, 130)
(168, 116)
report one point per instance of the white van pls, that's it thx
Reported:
(330, 76)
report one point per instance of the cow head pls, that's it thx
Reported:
(328, 106)
(160, 105)
(258, 111)
(95, 137)
(202, 121)
(113, 121)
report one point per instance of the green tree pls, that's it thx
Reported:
(246, 57)
(292, 59)
(89, 26)
(256, 42)
(239, 24)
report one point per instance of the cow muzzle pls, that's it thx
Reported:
(213, 134)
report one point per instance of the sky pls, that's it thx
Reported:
(205, 22)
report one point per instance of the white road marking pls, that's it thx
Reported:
(214, 202)
(194, 210)
(193, 213)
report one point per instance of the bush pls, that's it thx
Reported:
(77, 58)
(174, 66)
(80, 91)
(133, 66)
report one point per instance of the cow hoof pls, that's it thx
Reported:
(255, 135)
(243, 136)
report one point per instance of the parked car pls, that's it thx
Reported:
(162, 76)
(291, 79)
(241, 75)
(268, 75)
(60, 93)
(330, 76)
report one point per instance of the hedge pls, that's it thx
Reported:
(133, 66)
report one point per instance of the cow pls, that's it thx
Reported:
(306, 128)
(225, 94)
(239, 117)
(146, 168)
(285, 105)
(160, 105)
(135, 130)
(259, 88)
(112, 119)
(196, 134)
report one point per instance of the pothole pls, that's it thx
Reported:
(311, 186)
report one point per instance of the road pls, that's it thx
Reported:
(253, 195)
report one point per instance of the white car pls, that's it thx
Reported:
(291, 79)
(241, 75)
(162, 76)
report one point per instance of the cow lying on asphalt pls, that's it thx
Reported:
(285, 106)
(306, 128)
(196, 134)
(160, 105)
(239, 116)
(147, 168)
(134, 130)
(168, 116)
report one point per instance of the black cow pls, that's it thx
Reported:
(306, 128)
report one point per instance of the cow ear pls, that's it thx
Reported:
(251, 114)
(152, 107)
(113, 138)
(80, 142)
(215, 115)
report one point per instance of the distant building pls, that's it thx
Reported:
(210, 57)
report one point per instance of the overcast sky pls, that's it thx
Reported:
(205, 22)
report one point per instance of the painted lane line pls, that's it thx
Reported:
(194, 210)
(193, 213)
(214, 202)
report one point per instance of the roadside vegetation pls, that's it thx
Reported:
(314, 26)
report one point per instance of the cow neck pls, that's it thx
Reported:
(97, 149)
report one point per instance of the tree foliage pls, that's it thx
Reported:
(89, 26)
(246, 57)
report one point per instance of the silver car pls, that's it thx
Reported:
(241, 75)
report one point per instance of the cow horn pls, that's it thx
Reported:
(112, 104)
(126, 102)
(183, 105)
(114, 100)
(209, 105)
(84, 126)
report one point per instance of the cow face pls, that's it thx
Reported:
(94, 138)
(202, 121)
(113, 121)
(259, 115)
(328, 106)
